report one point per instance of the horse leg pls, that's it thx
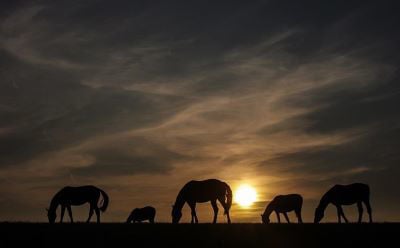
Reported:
(369, 210)
(192, 206)
(70, 213)
(360, 211)
(339, 214)
(228, 217)
(286, 217)
(195, 215)
(97, 214)
(298, 214)
(90, 213)
(344, 217)
(215, 208)
(62, 213)
(342, 213)
(278, 217)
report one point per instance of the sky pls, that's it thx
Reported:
(139, 97)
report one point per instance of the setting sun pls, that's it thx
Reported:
(245, 195)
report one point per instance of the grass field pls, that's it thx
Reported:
(201, 235)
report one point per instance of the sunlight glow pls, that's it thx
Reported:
(245, 195)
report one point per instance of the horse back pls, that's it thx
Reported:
(203, 191)
(78, 195)
(287, 203)
(146, 213)
(349, 194)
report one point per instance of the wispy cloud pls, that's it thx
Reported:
(140, 98)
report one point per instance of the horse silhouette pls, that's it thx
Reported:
(340, 195)
(70, 196)
(283, 204)
(142, 214)
(202, 191)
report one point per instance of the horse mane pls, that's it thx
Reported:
(54, 202)
(270, 208)
(325, 200)
(180, 198)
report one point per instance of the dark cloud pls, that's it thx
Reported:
(48, 110)
(369, 116)
(344, 109)
(172, 40)
(137, 155)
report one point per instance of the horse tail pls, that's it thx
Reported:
(105, 201)
(228, 198)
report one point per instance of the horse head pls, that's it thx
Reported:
(319, 214)
(265, 219)
(176, 214)
(51, 215)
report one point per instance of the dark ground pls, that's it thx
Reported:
(201, 235)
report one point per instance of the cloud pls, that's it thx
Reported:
(129, 156)
(47, 110)
(291, 96)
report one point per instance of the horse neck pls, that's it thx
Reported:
(180, 201)
(54, 204)
(325, 200)
(269, 209)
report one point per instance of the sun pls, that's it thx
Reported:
(245, 195)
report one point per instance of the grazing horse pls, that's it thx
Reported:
(283, 204)
(340, 195)
(69, 196)
(141, 214)
(202, 191)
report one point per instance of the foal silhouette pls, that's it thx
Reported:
(69, 196)
(141, 214)
(340, 195)
(202, 191)
(283, 204)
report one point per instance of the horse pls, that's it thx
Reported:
(283, 204)
(340, 195)
(202, 191)
(72, 196)
(141, 214)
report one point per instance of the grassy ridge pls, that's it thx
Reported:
(201, 235)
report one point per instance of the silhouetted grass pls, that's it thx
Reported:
(201, 235)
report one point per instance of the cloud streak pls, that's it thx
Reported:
(286, 96)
